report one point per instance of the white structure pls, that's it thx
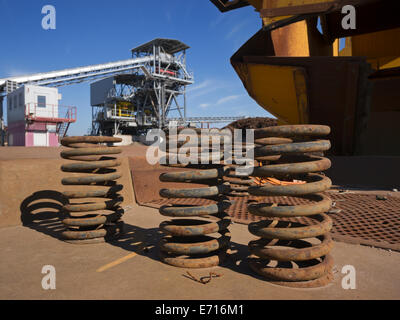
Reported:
(33, 116)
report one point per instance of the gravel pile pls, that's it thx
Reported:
(253, 123)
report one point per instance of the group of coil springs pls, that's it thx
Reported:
(286, 252)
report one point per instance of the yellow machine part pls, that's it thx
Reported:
(125, 109)
(378, 47)
(276, 88)
(124, 105)
(298, 72)
(281, 90)
(273, 11)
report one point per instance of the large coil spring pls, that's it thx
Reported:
(239, 181)
(292, 253)
(201, 242)
(93, 215)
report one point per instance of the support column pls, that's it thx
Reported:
(2, 133)
(184, 103)
(162, 95)
(115, 121)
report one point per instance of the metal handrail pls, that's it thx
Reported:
(51, 114)
(122, 113)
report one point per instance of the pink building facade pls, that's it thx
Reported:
(34, 117)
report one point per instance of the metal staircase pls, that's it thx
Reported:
(62, 129)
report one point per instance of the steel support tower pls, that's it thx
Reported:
(147, 96)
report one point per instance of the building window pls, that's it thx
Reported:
(21, 100)
(41, 101)
(15, 101)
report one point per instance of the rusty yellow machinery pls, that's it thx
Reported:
(122, 109)
(295, 69)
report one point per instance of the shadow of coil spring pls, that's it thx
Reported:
(201, 242)
(291, 253)
(93, 214)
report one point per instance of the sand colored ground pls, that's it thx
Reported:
(129, 268)
(123, 270)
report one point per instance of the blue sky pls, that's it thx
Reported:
(91, 32)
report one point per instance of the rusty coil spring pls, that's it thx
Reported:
(291, 253)
(239, 184)
(202, 242)
(239, 181)
(94, 213)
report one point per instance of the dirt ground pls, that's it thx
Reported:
(129, 268)
(253, 123)
(123, 270)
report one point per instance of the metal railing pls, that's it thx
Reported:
(50, 112)
(120, 113)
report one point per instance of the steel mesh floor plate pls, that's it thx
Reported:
(360, 218)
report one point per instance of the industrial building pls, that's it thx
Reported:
(35, 118)
(132, 103)
(127, 98)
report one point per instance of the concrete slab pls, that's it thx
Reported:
(122, 270)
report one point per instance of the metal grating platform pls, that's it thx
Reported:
(360, 218)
